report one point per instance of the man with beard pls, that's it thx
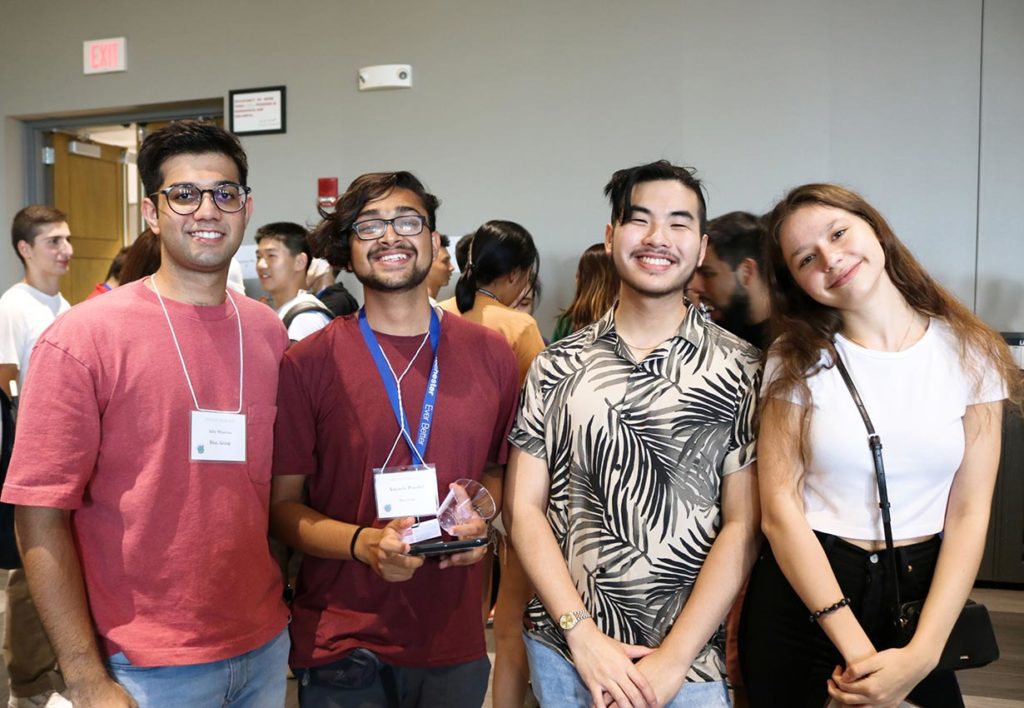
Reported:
(632, 484)
(731, 280)
(399, 389)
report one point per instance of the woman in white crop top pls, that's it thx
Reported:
(817, 623)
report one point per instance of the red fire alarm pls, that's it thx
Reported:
(327, 192)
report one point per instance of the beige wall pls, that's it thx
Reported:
(521, 110)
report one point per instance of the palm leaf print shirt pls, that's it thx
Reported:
(636, 452)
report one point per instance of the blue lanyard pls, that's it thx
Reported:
(391, 383)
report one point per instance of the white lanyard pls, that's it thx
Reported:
(181, 358)
(398, 384)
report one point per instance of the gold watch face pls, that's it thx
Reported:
(567, 621)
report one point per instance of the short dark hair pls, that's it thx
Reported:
(186, 137)
(330, 239)
(293, 236)
(445, 241)
(737, 236)
(619, 189)
(29, 221)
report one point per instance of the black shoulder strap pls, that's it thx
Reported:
(8, 546)
(875, 443)
(306, 306)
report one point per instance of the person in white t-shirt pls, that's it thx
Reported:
(282, 259)
(818, 624)
(42, 240)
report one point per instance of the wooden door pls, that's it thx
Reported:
(89, 186)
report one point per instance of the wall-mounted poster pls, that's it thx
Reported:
(257, 111)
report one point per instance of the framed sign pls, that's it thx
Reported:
(257, 111)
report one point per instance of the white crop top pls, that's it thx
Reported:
(916, 399)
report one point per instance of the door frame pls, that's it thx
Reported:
(38, 186)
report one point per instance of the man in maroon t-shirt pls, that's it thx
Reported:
(397, 385)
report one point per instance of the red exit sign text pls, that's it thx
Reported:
(101, 56)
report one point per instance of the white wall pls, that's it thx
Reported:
(1001, 233)
(522, 110)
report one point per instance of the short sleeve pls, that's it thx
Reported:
(295, 426)
(528, 432)
(305, 323)
(771, 374)
(58, 436)
(991, 387)
(508, 389)
(528, 346)
(743, 443)
(12, 335)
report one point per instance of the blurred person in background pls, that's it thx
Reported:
(597, 286)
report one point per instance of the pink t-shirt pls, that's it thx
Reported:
(335, 425)
(174, 552)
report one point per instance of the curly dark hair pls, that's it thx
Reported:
(330, 239)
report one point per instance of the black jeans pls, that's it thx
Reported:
(786, 659)
(361, 680)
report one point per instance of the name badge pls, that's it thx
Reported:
(217, 437)
(423, 531)
(405, 491)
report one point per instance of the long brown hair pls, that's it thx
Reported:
(803, 327)
(142, 258)
(597, 284)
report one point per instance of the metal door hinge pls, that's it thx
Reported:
(49, 155)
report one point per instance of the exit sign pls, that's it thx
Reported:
(102, 56)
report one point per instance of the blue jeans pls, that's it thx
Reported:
(256, 679)
(557, 683)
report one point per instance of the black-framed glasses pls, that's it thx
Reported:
(404, 225)
(186, 199)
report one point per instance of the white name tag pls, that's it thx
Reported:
(217, 437)
(405, 491)
(423, 531)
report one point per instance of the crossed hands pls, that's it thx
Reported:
(606, 668)
(385, 551)
(883, 679)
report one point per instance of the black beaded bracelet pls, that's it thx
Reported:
(355, 537)
(815, 616)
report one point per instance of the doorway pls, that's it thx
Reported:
(85, 166)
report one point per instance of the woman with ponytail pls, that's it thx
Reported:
(501, 266)
(502, 262)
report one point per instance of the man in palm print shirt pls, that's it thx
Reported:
(633, 487)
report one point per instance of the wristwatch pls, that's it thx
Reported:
(571, 619)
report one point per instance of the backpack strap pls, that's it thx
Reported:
(302, 307)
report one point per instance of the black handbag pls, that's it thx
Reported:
(972, 642)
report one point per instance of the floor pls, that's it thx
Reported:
(999, 685)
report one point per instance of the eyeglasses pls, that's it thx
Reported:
(405, 225)
(186, 199)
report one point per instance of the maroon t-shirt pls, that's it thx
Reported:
(335, 424)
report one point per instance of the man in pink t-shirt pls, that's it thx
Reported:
(371, 624)
(141, 467)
